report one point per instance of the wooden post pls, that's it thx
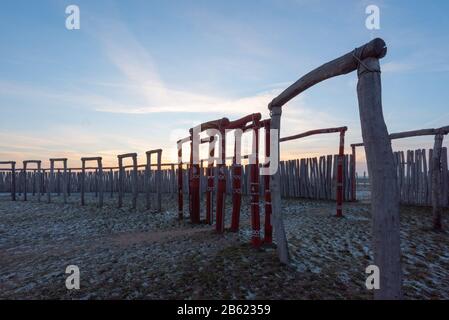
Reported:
(111, 174)
(221, 185)
(13, 181)
(210, 181)
(69, 182)
(353, 171)
(236, 182)
(100, 182)
(40, 184)
(341, 155)
(64, 180)
(278, 222)
(159, 180)
(135, 182)
(384, 194)
(25, 185)
(445, 178)
(50, 180)
(180, 182)
(436, 182)
(83, 177)
(121, 177)
(254, 171)
(268, 229)
(148, 181)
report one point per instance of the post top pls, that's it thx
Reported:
(91, 158)
(7, 162)
(154, 151)
(32, 161)
(127, 155)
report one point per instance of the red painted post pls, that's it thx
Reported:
(254, 171)
(341, 155)
(194, 187)
(210, 182)
(236, 185)
(240, 126)
(236, 196)
(221, 188)
(268, 228)
(194, 170)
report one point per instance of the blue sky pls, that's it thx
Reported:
(138, 74)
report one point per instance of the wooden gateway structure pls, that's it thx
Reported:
(36, 178)
(51, 178)
(99, 179)
(121, 180)
(217, 130)
(12, 165)
(157, 180)
(380, 160)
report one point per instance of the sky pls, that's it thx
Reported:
(138, 74)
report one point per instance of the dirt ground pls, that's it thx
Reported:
(126, 254)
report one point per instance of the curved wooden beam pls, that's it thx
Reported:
(342, 65)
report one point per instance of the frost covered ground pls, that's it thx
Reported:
(125, 254)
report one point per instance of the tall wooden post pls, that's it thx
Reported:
(148, 181)
(111, 174)
(69, 182)
(135, 182)
(159, 180)
(221, 184)
(254, 177)
(194, 180)
(25, 184)
(210, 181)
(83, 177)
(385, 199)
(278, 222)
(50, 180)
(64, 180)
(341, 155)
(13, 181)
(121, 176)
(353, 177)
(436, 182)
(100, 183)
(268, 229)
(236, 182)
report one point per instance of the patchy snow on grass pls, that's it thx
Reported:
(141, 254)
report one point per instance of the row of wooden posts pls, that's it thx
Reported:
(311, 178)
(415, 177)
(67, 180)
